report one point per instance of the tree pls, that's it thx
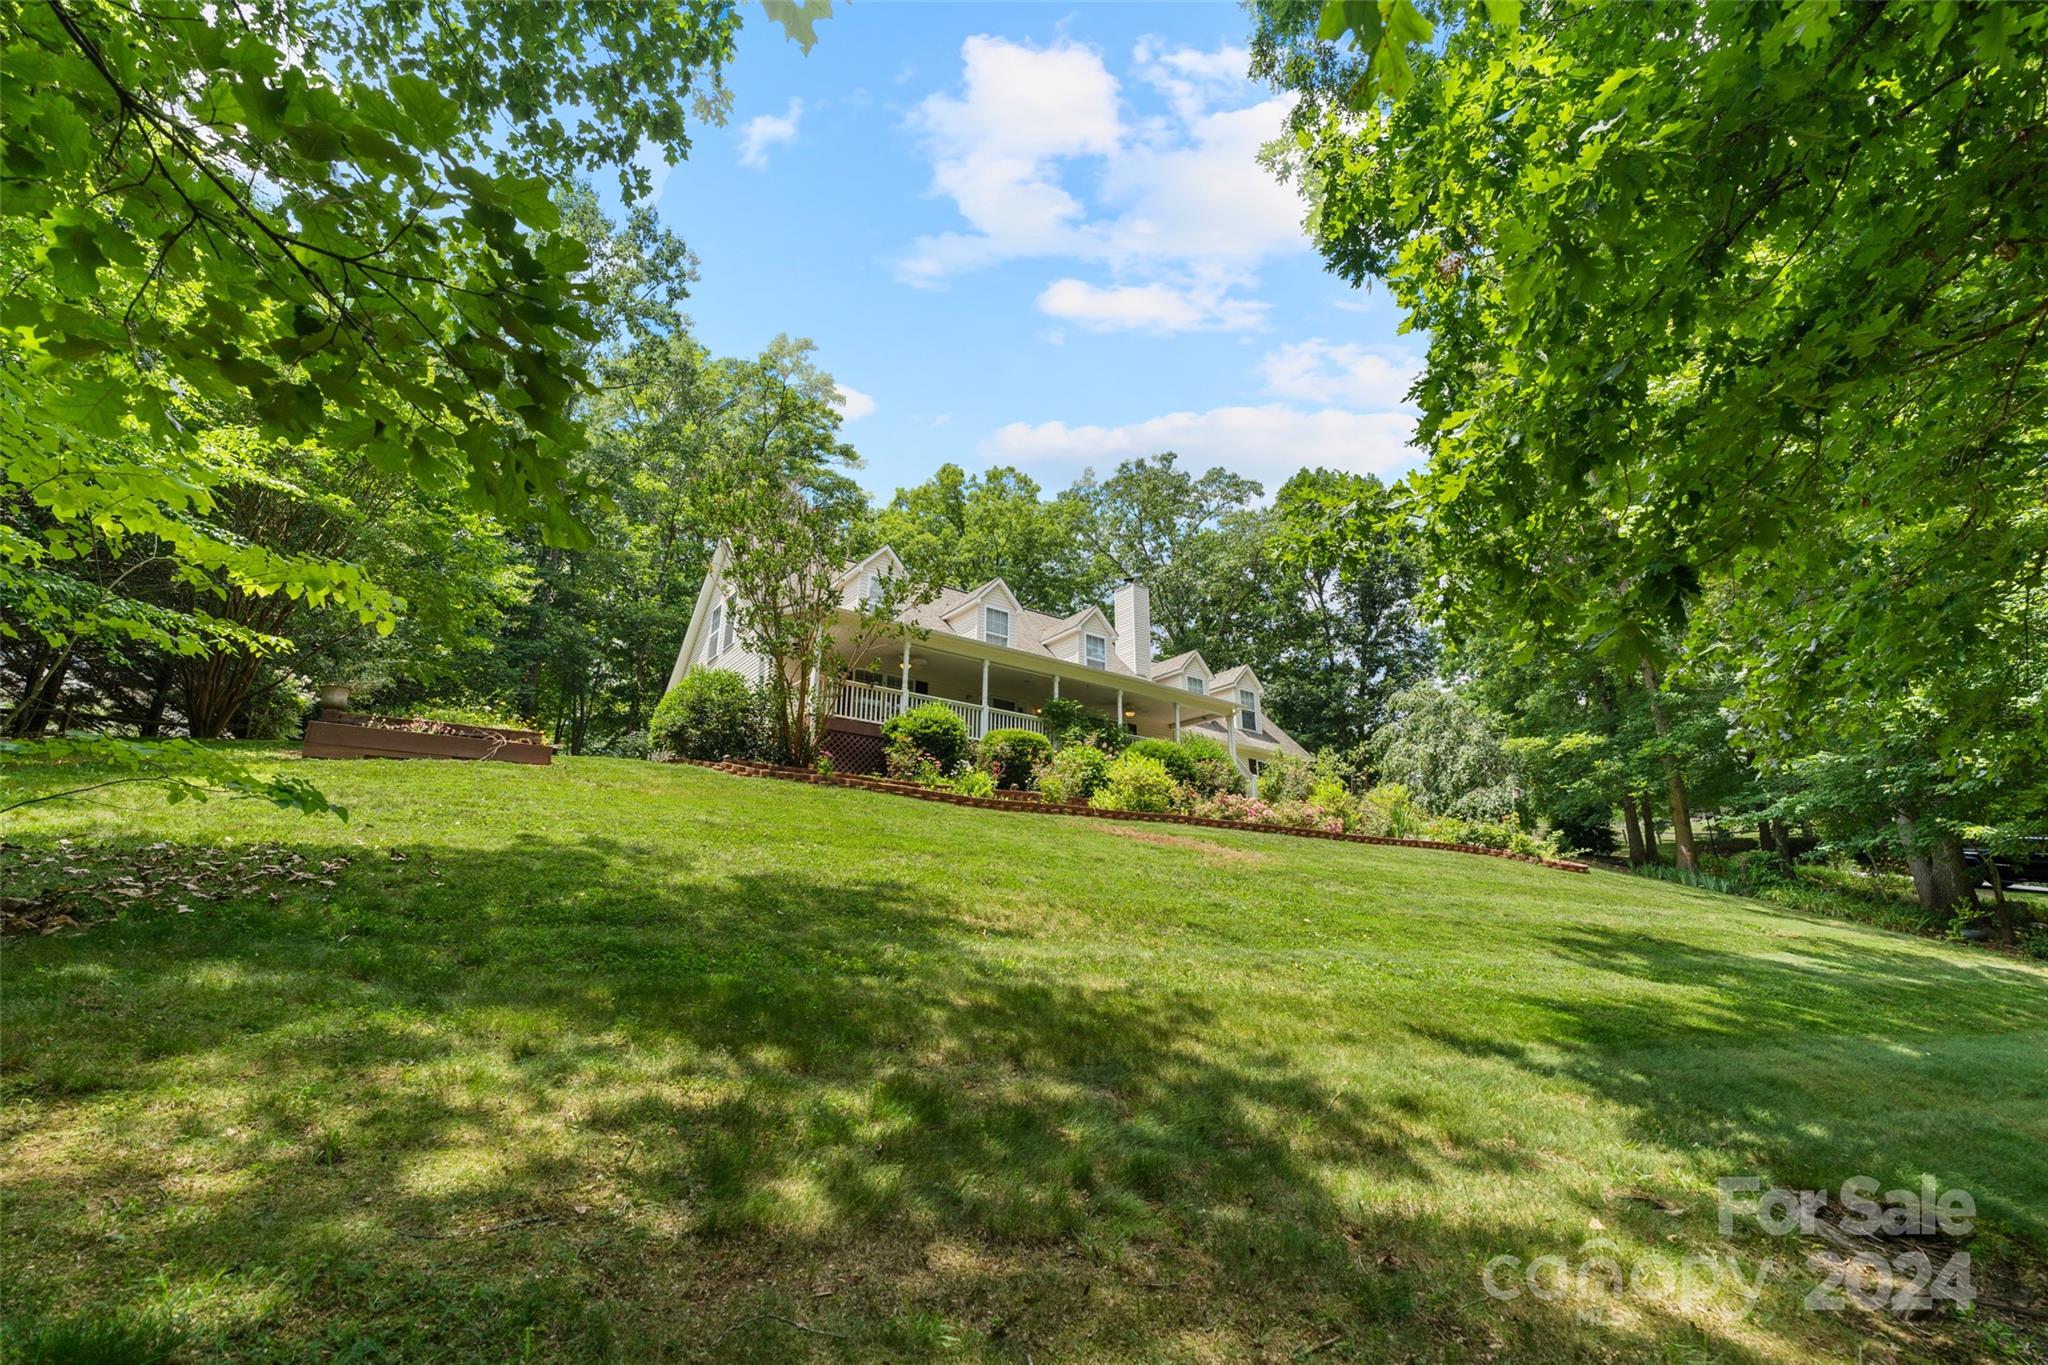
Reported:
(326, 223)
(770, 488)
(1339, 632)
(1740, 298)
(965, 529)
(1447, 751)
(1193, 540)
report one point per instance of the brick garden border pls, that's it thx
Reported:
(1024, 802)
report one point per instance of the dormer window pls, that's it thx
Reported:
(711, 645)
(871, 591)
(1095, 651)
(995, 625)
(1196, 684)
(730, 625)
(1247, 709)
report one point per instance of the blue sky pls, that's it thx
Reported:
(1035, 234)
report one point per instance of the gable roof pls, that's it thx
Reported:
(1231, 677)
(1062, 629)
(1180, 663)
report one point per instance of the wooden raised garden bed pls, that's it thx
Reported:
(345, 734)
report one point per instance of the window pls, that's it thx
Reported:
(871, 590)
(1094, 651)
(1196, 685)
(995, 625)
(1258, 766)
(728, 623)
(1247, 709)
(717, 628)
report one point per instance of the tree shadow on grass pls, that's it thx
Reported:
(1811, 1063)
(570, 1098)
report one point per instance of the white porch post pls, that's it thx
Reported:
(1119, 708)
(984, 698)
(1176, 722)
(905, 679)
(1055, 687)
(1233, 735)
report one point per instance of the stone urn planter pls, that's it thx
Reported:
(334, 696)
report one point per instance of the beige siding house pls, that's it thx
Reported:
(996, 662)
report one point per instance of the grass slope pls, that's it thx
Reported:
(621, 1060)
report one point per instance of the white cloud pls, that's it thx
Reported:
(764, 131)
(1319, 371)
(1041, 158)
(1158, 308)
(1190, 78)
(1268, 442)
(853, 404)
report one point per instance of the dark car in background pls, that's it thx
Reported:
(2028, 865)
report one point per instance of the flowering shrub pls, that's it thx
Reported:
(904, 761)
(1233, 806)
(1304, 815)
(1076, 773)
(1137, 782)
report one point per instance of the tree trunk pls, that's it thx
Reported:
(1632, 825)
(159, 696)
(1781, 836)
(1674, 781)
(2008, 923)
(1653, 841)
(1940, 881)
(39, 701)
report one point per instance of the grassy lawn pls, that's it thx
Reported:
(619, 1060)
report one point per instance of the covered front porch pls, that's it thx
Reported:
(993, 692)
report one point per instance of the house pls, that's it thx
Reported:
(996, 662)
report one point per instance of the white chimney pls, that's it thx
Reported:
(1134, 627)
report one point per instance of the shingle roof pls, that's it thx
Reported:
(1029, 630)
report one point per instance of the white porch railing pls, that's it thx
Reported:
(865, 701)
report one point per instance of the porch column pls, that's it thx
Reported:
(1176, 722)
(905, 678)
(984, 698)
(1233, 734)
(1119, 710)
(1055, 687)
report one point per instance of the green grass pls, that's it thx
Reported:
(620, 1060)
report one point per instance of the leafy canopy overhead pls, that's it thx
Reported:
(1716, 294)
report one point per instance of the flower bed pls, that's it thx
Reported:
(1012, 801)
(344, 734)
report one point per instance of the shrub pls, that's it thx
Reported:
(1137, 782)
(1233, 806)
(1387, 812)
(1588, 831)
(1335, 800)
(1303, 815)
(625, 744)
(1211, 770)
(1285, 778)
(973, 782)
(905, 762)
(710, 714)
(1176, 760)
(935, 729)
(1072, 723)
(1013, 757)
(1076, 773)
